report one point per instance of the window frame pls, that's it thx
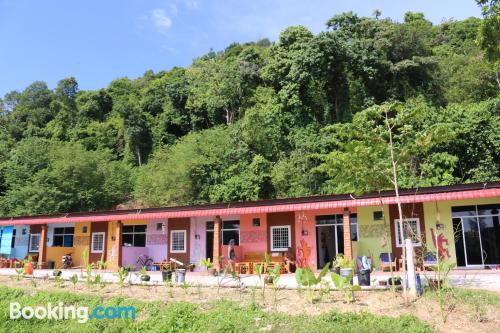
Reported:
(184, 233)
(54, 235)
(92, 249)
(134, 233)
(397, 235)
(30, 249)
(280, 249)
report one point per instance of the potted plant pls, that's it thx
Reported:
(28, 265)
(56, 272)
(335, 266)
(346, 266)
(208, 264)
(144, 274)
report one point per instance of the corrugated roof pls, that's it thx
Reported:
(436, 193)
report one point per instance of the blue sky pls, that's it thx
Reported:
(98, 41)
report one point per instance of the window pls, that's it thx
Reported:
(13, 238)
(134, 235)
(281, 238)
(178, 241)
(63, 236)
(34, 243)
(97, 245)
(230, 230)
(338, 222)
(411, 229)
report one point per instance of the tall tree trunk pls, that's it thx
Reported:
(398, 202)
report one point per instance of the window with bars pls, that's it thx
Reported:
(13, 244)
(178, 241)
(34, 243)
(281, 238)
(63, 237)
(134, 235)
(97, 244)
(411, 229)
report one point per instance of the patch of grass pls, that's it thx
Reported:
(470, 296)
(220, 316)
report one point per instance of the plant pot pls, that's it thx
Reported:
(180, 275)
(212, 271)
(145, 278)
(56, 273)
(335, 270)
(166, 275)
(382, 283)
(345, 272)
(268, 279)
(433, 284)
(395, 281)
(28, 268)
(364, 277)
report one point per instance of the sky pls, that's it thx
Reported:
(97, 41)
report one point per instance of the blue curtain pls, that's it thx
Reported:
(6, 242)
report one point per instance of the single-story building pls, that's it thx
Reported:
(460, 222)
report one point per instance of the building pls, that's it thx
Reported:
(461, 221)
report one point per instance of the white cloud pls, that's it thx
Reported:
(161, 20)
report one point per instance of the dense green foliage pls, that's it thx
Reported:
(222, 316)
(305, 115)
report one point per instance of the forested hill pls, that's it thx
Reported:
(301, 116)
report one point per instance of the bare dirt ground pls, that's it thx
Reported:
(462, 318)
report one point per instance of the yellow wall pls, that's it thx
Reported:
(111, 245)
(81, 241)
(431, 216)
(55, 253)
(373, 233)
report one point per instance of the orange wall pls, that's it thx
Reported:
(55, 253)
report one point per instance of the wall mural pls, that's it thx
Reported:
(441, 241)
(303, 254)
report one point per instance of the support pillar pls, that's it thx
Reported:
(116, 259)
(216, 252)
(42, 247)
(347, 234)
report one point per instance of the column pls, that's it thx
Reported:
(216, 253)
(347, 234)
(42, 248)
(117, 253)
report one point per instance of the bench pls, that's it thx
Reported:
(252, 259)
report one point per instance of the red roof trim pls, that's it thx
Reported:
(327, 204)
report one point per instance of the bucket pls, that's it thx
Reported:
(180, 275)
(364, 277)
(166, 275)
(345, 272)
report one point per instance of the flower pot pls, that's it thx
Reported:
(180, 275)
(345, 272)
(212, 271)
(335, 270)
(268, 279)
(433, 284)
(166, 275)
(145, 278)
(28, 268)
(395, 281)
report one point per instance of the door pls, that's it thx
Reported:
(327, 244)
(210, 245)
(477, 235)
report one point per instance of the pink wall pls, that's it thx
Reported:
(309, 226)
(253, 239)
(197, 236)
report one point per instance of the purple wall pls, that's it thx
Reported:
(156, 245)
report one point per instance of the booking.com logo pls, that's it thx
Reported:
(61, 312)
